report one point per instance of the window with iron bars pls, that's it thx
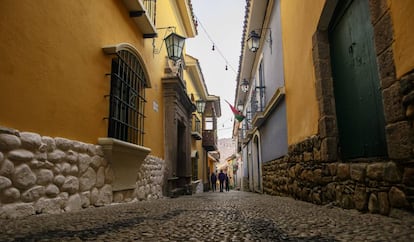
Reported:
(257, 100)
(258, 95)
(247, 123)
(127, 99)
(196, 124)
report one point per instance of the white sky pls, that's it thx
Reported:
(223, 22)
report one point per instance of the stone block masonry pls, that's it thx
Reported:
(372, 185)
(41, 174)
(150, 180)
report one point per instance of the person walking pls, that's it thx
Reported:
(227, 183)
(213, 180)
(222, 178)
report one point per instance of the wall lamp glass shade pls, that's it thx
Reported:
(244, 85)
(201, 105)
(175, 45)
(253, 41)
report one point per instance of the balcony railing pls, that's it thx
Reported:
(257, 101)
(196, 127)
(143, 14)
(150, 8)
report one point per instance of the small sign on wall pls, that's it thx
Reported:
(155, 106)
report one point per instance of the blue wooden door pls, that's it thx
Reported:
(357, 90)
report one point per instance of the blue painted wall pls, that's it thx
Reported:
(274, 131)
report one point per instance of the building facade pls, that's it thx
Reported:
(345, 72)
(210, 138)
(263, 133)
(92, 111)
(204, 121)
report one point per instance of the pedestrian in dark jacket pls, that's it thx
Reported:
(213, 179)
(227, 183)
(222, 178)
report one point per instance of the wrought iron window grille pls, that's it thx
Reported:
(196, 124)
(127, 99)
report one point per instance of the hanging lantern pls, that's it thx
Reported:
(201, 105)
(244, 85)
(175, 46)
(253, 41)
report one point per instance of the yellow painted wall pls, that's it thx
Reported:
(167, 15)
(196, 144)
(299, 22)
(53, 68)
(403, 47)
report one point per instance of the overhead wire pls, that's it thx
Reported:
(215, 47)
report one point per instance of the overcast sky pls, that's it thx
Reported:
(221, 23)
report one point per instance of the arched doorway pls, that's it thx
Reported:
(256, 165)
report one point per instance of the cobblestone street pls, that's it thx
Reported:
(232, 216)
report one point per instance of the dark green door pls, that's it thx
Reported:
(357, 91)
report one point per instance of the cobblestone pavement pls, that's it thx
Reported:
(232, 216)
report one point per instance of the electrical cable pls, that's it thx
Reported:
(215, 47)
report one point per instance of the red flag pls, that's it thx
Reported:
(237, 114)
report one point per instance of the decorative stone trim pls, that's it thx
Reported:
(327, 124)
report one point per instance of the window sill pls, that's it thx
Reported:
(125, 159)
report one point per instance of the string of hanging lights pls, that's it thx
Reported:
(215, 47)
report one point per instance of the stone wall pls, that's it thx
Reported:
(313, 170)
(50, 175)
(149, 182)
(41, 174)
(367, 185)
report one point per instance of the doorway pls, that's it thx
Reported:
(257, 184)
(357, 92)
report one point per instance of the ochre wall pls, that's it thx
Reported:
(299, 21)
(53, 68)
(191, 83)
(167, 15)
(403, 47)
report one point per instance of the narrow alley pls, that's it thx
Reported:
(118, 117)
(228, 216)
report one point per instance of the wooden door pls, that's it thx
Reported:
(357, 90)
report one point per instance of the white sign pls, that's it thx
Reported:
(155, 106)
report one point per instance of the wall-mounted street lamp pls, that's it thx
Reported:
(253, 41)
(201, 105)
(173, 42)
(244, 85)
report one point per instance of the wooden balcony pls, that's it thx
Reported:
(210, 140)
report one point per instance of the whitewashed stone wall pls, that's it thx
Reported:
(150, 179)
(41, 174)
(149, 182)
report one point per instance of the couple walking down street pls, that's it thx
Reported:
(223, 180)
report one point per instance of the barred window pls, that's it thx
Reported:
(127, 98)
